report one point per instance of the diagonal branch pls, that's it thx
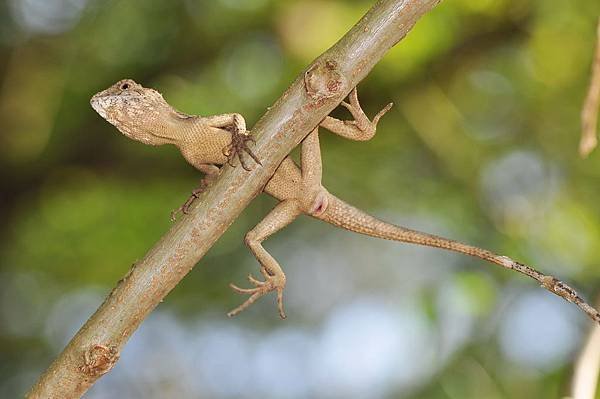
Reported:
(95, 348)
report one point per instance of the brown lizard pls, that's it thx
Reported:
(209, 142)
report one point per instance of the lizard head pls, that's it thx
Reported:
(134, 110)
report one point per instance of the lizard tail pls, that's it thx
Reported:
(341, 214)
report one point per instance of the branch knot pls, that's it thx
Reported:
(323, 80)
(98, 360)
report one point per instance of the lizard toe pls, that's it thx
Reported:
(261, 288)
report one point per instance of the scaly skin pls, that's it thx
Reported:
(209, 142)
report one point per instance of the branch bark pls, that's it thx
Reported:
(95, 349)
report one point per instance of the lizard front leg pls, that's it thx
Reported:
(210, 174)
(359, 129)
(236, 124)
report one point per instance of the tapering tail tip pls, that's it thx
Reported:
(350, 218)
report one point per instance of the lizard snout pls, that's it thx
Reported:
(98, 104)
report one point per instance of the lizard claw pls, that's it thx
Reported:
(360, 118)
(383, 111)
(239, 146)
(272, 283)
(185, 207)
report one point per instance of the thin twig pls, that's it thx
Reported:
(96, 347)
(587, 366)
(589, 113)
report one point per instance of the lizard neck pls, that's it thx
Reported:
(153, 124)
(174, 127)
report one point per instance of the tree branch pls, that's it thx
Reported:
(316, 92)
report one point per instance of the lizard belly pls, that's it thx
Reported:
(286, 182)
(207, 147)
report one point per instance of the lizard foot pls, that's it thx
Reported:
(361, 120)
(272, 283)
(238, 146)
(185, 207)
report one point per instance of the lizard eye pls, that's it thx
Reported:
(125, 86)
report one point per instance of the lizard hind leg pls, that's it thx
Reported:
(359, 129)
(313, 197)
(360, 119)
(274, 278)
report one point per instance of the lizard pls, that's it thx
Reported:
(208, 142)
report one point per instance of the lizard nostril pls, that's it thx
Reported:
(125, 86)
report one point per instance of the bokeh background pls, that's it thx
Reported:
(480, 146)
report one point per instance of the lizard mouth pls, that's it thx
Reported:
(98, 103)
